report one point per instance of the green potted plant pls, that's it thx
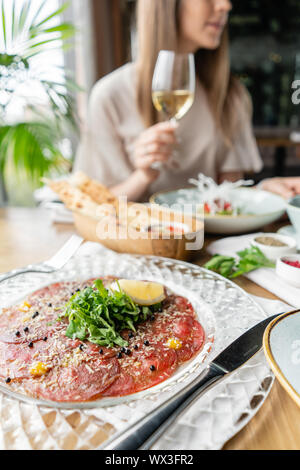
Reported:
(31, 140)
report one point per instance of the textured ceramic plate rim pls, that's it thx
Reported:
(199, 359)
(192, 364)
(264, 382)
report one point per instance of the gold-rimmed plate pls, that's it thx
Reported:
(282, 350)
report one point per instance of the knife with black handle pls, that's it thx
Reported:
(143, 434)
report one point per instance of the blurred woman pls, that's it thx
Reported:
(124, 135)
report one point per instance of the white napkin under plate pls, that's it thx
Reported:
(264, 277)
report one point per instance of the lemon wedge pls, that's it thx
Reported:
(141, 292)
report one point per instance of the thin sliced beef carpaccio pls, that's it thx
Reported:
(143, 369)
(17, 361)
(37, 317)
(192, 343)
(37, 358)
(75, 383)
(32, 332)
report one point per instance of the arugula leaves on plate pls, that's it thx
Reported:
(99, 315)
(249, 260)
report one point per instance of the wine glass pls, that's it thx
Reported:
(173, 85)
(173, 89)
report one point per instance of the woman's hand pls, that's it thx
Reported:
(155, 144)
(285, 187)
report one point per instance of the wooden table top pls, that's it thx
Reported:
(28, 236)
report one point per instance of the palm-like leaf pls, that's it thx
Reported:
(33, 148)
(29, 36)
(29, 33)
(25, 34)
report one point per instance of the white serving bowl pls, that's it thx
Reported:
(289, 274)
(259, 208)
(275, 252)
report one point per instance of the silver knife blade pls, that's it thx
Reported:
(243, 348)
(147, 430)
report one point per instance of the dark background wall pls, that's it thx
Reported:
(265, 53)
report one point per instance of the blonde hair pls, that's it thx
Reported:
(158, 27)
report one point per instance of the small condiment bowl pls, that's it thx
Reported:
(275, 252)
(288, 273)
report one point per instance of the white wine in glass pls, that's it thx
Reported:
(173, 104)
(173, 85)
